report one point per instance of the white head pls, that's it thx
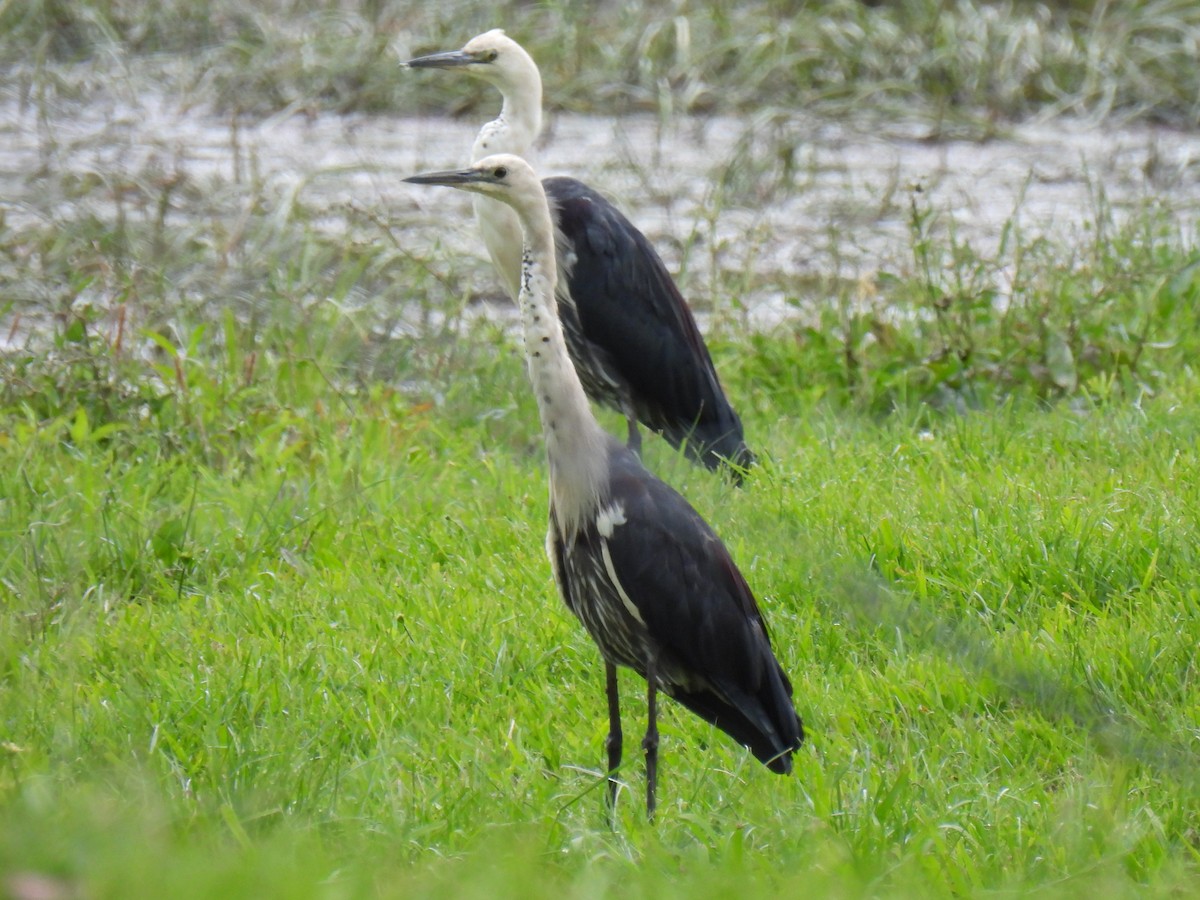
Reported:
(497, 59)
(502, 177)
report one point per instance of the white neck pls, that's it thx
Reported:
(576, 445)
(515, 131)
(519, 123)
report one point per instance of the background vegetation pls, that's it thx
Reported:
(943, 57)
(275, 618)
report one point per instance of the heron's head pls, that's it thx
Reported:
(492, 56)
(503, 177)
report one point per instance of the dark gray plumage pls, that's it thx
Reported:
(631, 334)
(690, 616)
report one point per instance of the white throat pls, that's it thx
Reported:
(514, 131)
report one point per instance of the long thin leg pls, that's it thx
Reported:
(635, 437)
(650, 742)
(613, 743)
(634, 442)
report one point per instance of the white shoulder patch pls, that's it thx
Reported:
(609, 518)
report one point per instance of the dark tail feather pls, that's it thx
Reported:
(730, 451)
(772, 731)
(714, 443)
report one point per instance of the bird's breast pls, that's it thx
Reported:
(596, 594)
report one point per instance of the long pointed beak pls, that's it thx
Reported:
(454, 178)
(448, 60)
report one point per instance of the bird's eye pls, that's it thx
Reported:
(500, 172)
(489, 56)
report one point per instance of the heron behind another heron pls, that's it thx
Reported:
(629, 331)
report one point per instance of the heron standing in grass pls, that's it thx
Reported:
(631, 335)
(645, 574)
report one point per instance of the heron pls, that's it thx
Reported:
(629, 331)
(644, 573)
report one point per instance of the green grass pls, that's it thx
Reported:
(334, 663)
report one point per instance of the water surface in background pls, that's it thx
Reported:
(793, 200)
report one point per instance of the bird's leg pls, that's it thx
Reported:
(635, 437)
(613, 742)
(650, 741)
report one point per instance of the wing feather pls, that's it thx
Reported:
(641, 328)
(712, 641)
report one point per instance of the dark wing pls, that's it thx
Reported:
(641, 328)
(554, 549)
(713, 643)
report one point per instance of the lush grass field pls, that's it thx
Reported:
(276, 618)
(305, 643)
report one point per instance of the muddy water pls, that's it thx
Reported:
(713, 193)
